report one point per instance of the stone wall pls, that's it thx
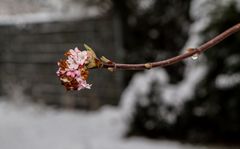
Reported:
(29, 54)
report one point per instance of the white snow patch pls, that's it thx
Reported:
(140, 84)
(173, 94)
(34, 127)
(16, 12)
(178, 94)
(224, 81)
(232, 60)
(145, 4)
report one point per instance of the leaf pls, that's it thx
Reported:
(92, 64)
(111, 69)
(105, 60)
(90, 50)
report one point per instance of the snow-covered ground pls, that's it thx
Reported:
(34, 127)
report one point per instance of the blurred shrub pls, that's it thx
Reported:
(212, 115)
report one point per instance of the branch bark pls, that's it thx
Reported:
(190, 52)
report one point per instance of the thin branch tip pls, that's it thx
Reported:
(190, 52)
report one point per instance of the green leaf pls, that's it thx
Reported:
(90, 50)
(105, 60)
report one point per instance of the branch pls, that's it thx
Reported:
(190, 52)
(73, 71)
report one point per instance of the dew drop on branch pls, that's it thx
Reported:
(195, 56)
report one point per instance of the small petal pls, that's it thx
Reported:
(69, 73)
(77, 50)
(58, 72)
(72, 52)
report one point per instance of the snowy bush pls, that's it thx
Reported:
(198, 107)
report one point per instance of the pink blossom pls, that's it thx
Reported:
(72, 64)
(83, 84)
(82, 57)
(79, 57)
(71, 71)
(70, 74)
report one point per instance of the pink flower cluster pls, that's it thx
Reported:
(72, 71)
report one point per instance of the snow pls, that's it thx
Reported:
(224, 81)
(172, 94)
(202, 19)
(176, 95)
(34, 11)
(33, 127)
(145, 4)
(180, 93)
(140, 84)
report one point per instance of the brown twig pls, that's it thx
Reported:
(190, 52)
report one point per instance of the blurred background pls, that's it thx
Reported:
(191, 104)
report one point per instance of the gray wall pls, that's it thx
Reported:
(29, 54)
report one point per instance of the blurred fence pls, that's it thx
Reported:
(29, 54)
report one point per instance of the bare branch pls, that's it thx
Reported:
(190, 52)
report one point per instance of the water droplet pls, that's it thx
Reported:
(195, 56)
